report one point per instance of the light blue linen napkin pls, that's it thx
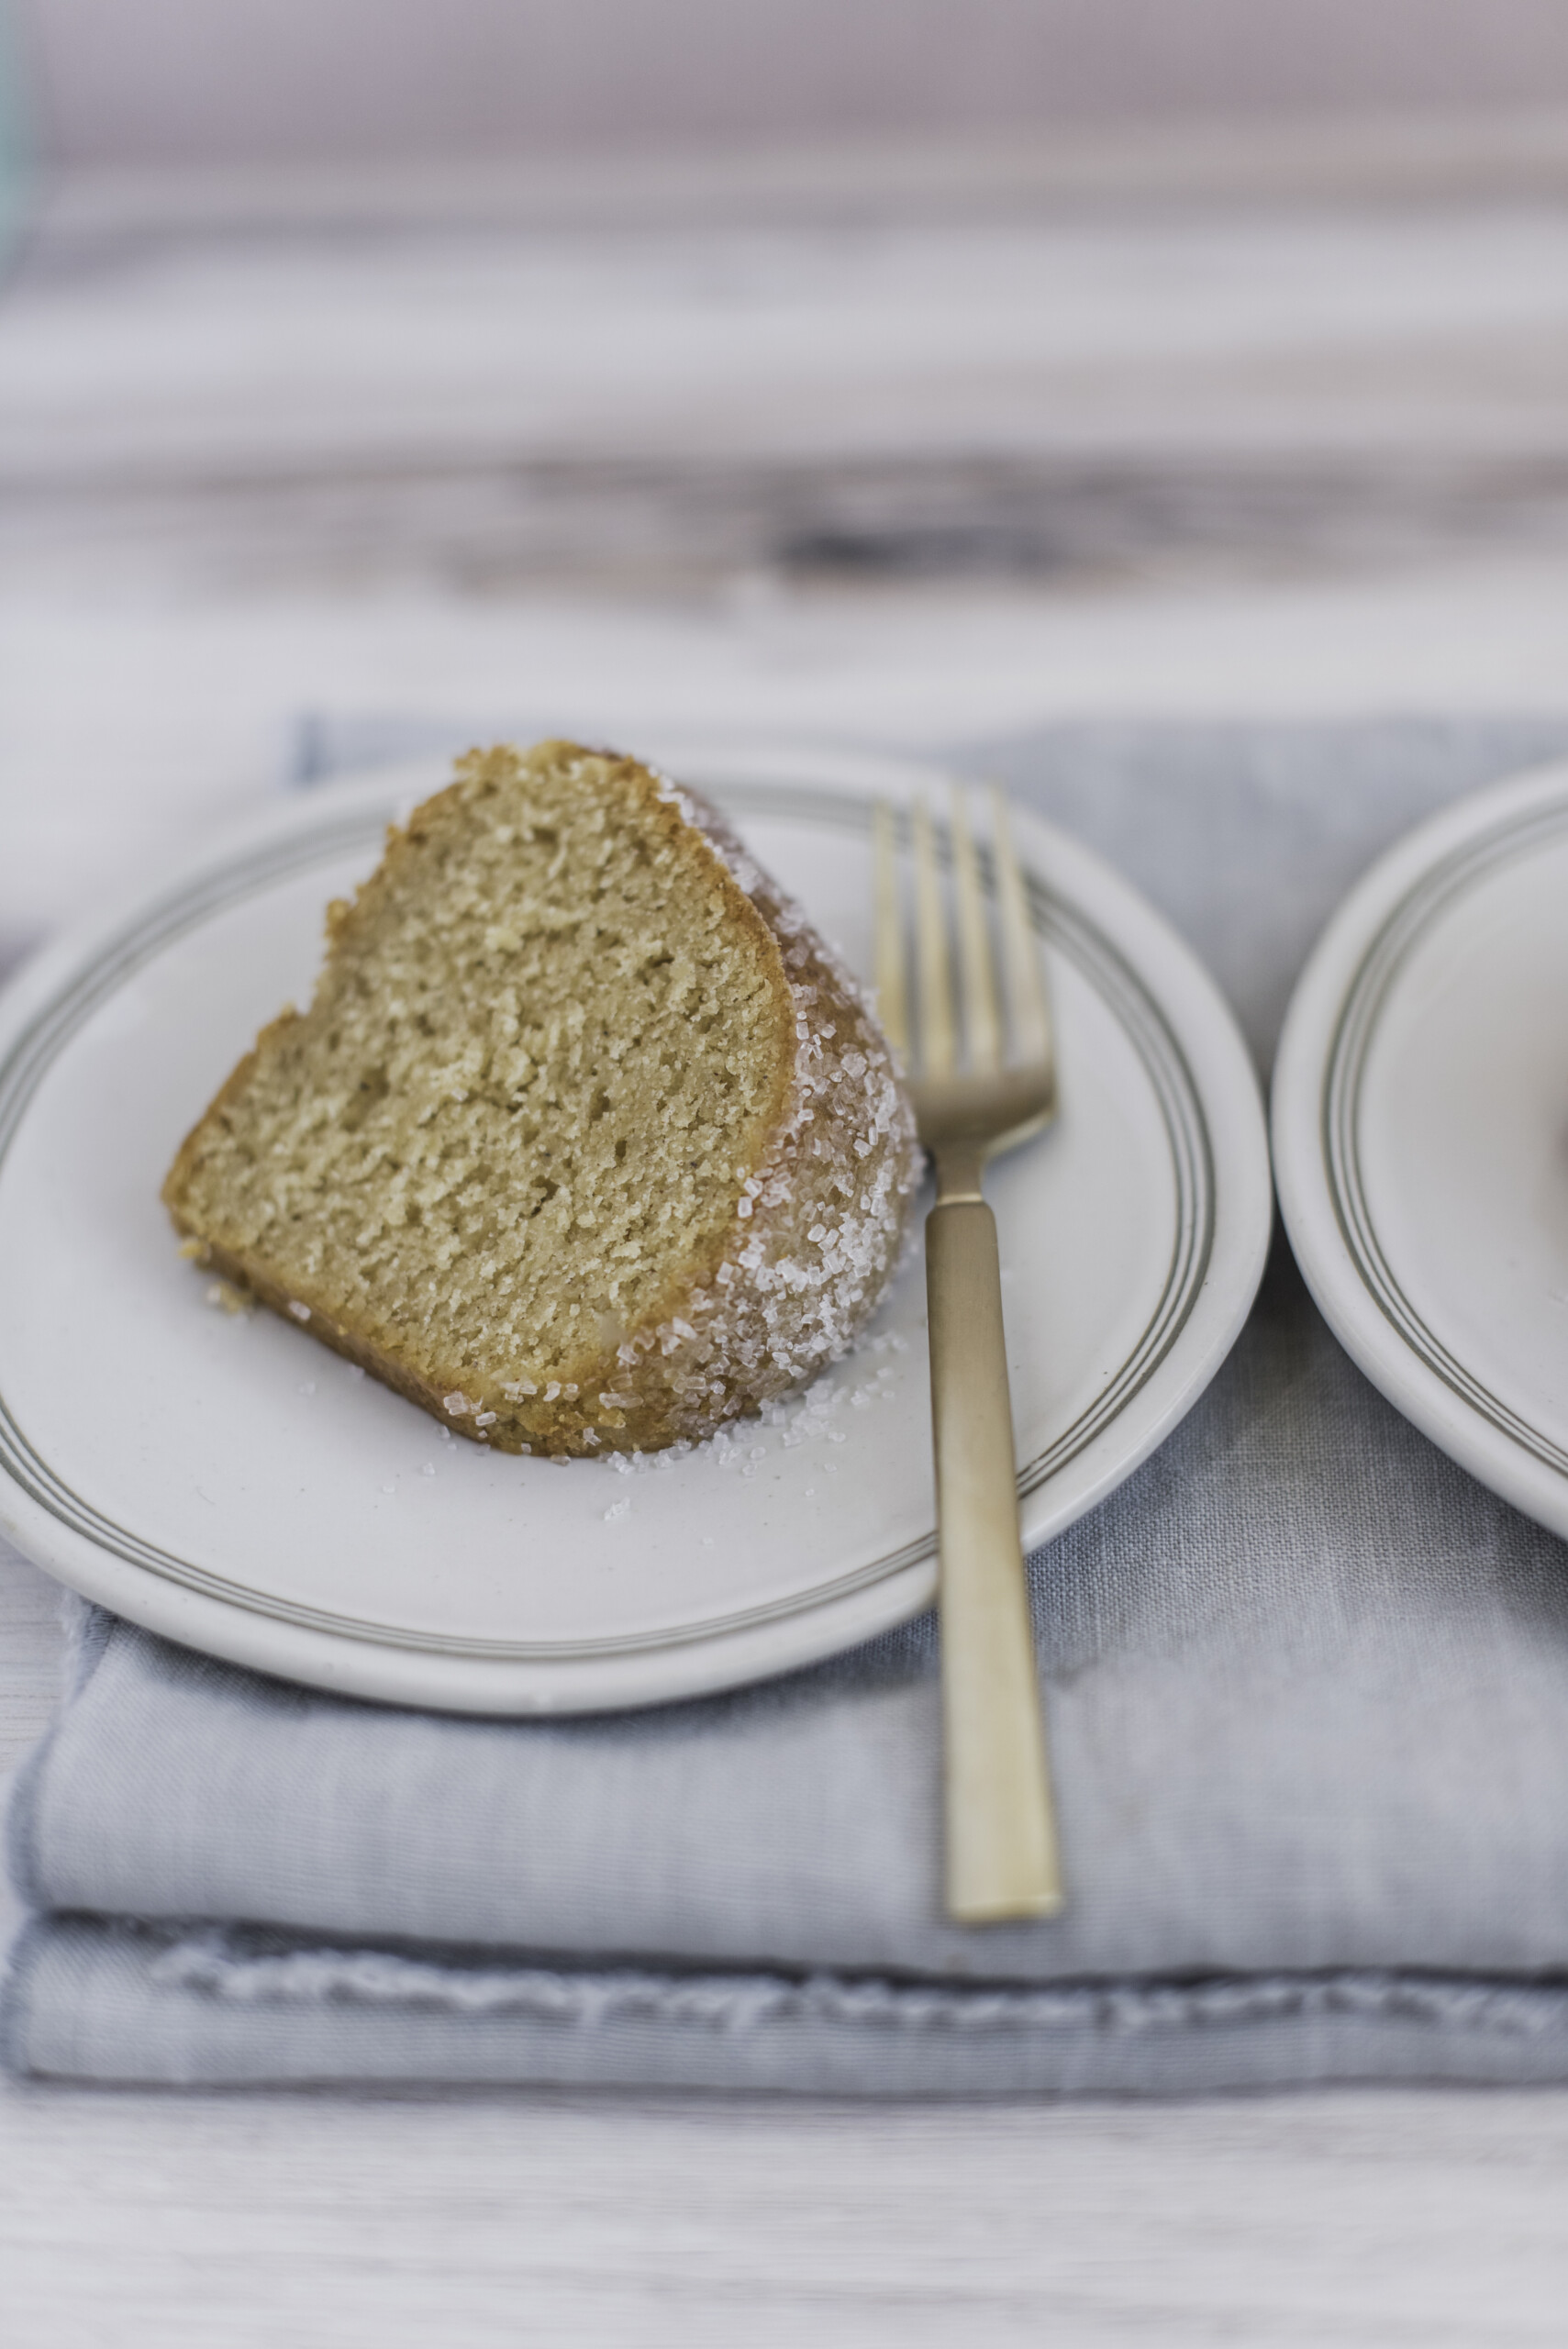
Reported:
(1308, 1686)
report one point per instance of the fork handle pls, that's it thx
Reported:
(1001, 1847)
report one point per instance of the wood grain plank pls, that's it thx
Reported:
(1345, 2218)
(1069, 397)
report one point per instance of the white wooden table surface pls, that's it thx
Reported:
(908, 473)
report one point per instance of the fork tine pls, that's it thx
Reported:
(891, 990)
(938, 1043)
(1028, 1005)
(981, 1027)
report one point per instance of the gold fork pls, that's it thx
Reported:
(1001, 1845)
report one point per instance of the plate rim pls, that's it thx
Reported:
(1224, 1089)
(1329, 1024)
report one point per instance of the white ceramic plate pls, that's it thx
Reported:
(228, 1482)
(1420, 1132)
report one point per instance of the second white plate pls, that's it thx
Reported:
(1420, 1128)
(227, 1482)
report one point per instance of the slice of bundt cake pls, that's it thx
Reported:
(585, 1141)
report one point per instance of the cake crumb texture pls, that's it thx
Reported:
(585, 1141)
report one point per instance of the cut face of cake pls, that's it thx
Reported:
(585, 1141)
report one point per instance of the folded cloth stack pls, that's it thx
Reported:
(1308, 1686)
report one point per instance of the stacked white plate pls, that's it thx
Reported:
(1420, 1133)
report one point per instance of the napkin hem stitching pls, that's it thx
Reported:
(219, 1965)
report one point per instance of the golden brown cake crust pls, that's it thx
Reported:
(794, 1183)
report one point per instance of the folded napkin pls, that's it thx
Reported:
(1307, 1687)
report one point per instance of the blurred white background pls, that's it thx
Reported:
(913, 370)
(245, 80)
(908, 369)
